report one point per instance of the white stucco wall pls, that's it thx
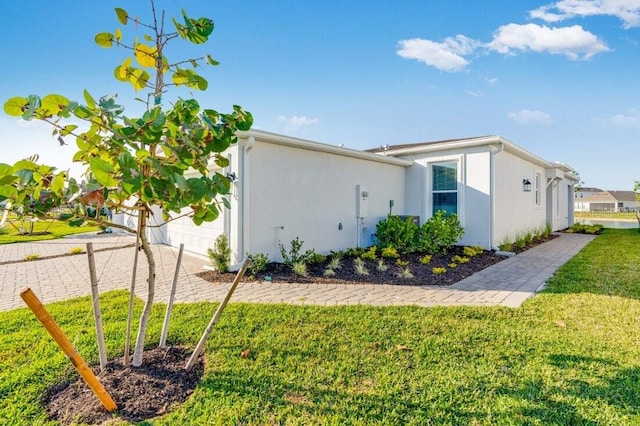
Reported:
(516, 211)
(294, 192)
(474, 206)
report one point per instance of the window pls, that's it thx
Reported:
(538, 189)
(444, 187)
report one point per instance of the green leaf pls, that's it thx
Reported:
(54, 103)
(76, 222)
(5, 169)
(138, 79)
(102, 172)
(91, 103)
(68, 129)
(8, 191)
(8, 179)
(222, 161)
(122, 15)
(142, 154)
(104, 39)
(57, 184)
(212, 61)
(82, 112)
(15, 106)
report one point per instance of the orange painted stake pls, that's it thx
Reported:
(63, 342)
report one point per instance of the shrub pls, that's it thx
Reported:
(460, 259)
(404, 273)
(389, 253)
(452, 265)
(295, 255)
(402, 263)
(382, 267)
(360, 267)
(426, 259)
(76, 250)
(355, 251)
(438, 270)
(370, 254)
(300, 268)
(220, 254)
(505, 246)
(472, 251)
(257, 263)
(31, 257)
(397, 233)
(313, 257)
(336, 261)
(329, 272)
(438, 234)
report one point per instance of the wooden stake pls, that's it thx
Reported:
(167, 315)
(132, 290)
(65, 345)
(97, 315)
(216, 317)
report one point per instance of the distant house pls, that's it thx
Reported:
(607, 201)
(585, 191)
(332, 197)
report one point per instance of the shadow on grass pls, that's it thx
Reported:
(595, 388)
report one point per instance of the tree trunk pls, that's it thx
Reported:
(151, 280)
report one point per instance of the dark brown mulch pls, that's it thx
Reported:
(422, 273)
(153, 389)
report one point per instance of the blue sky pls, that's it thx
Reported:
(561, 79)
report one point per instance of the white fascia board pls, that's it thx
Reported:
(277, 139)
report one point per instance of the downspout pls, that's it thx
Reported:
(492, 202)
(243, 203)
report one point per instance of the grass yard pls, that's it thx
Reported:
(570, 356)
(55, 229)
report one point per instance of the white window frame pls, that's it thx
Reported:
(460, 177)
(538, 189)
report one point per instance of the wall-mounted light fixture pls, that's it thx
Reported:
(526, 185)
(232, 177)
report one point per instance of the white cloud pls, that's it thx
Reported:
(474, 93)
(573, 42)
(491, 81)
(628, 11)
(526, 116)
(630, 119)
(291, 124)
(445, 56)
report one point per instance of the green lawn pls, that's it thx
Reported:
(55, 229)
(569, 356)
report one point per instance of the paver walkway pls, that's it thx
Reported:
(508, 283)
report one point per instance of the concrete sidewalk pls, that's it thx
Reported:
(508, 283)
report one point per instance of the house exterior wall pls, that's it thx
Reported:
(474, 188)
(292, 192)
(516, 210)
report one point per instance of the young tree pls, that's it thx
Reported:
(140, 163)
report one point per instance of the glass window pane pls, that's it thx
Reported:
(447, 201)
(444, 177)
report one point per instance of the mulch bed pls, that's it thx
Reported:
(140, 393)
(422, 273)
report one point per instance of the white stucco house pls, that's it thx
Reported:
(332, 197)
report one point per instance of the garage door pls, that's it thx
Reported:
(196, 239)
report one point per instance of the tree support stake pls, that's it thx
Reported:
(67, 348)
